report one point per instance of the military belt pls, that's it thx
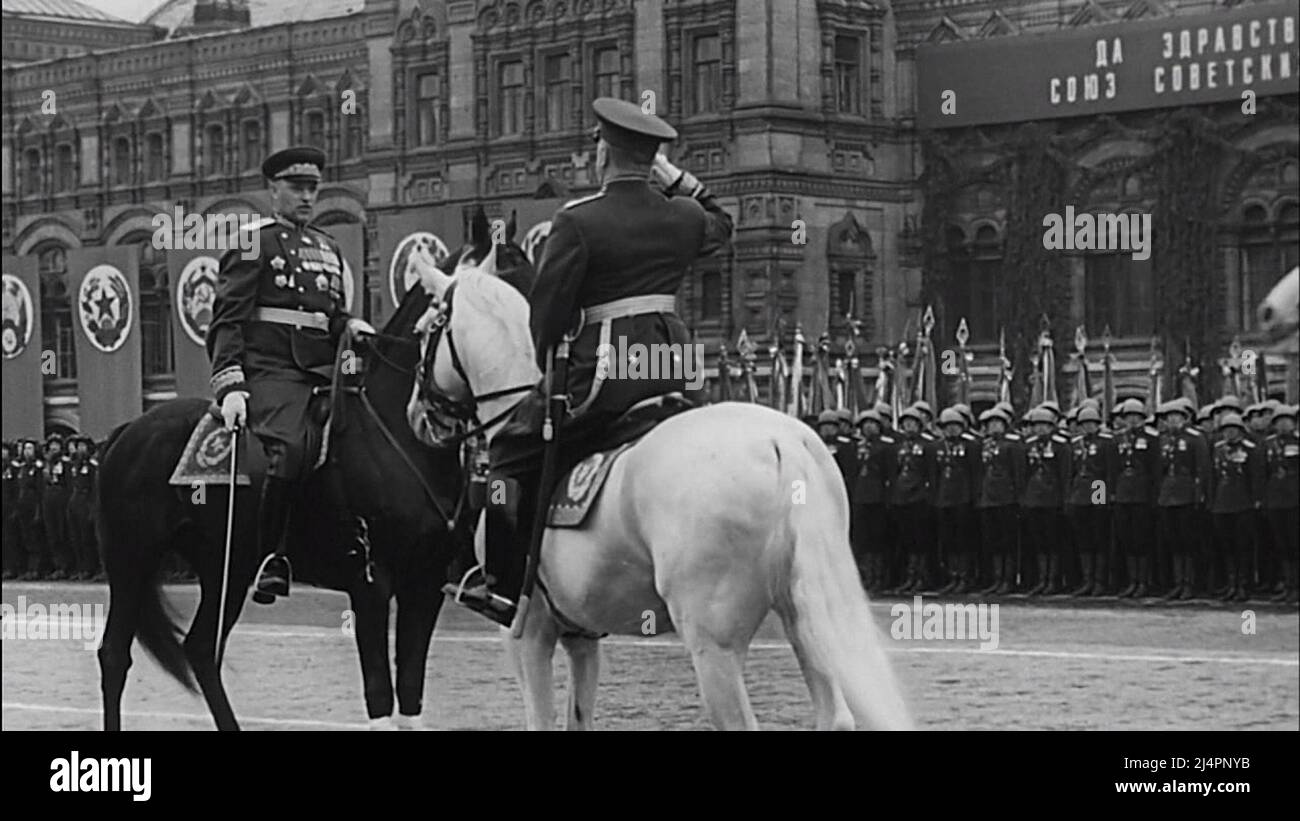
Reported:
(299, 319)
(630, 306)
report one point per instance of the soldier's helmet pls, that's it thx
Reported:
(827, 417)
(1232, 420)
(1228, 402)
(911, 413)
(884, 409)
(923, 407)
(965, 411)
(1042, 415)
(868, 416)
(1089, 414)
(1286, 412)
(1053, 406)
(1072, 415)
(1205, 413)
(995, 412)
(844, 415)
(1172, 406)
(951, 416)
(1132, 406)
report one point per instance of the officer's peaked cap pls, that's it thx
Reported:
(625, 125)
(299, 161)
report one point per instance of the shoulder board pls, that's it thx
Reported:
(581, 200)
(321, 231)
(968, 436)
(1078, 437)
(1012, 437)
(1193, 432)
(258, 225)
(1247, 442)
(927, 436)
(1104, 435)
(888, 440)
(1150, 431)
(1056, 437)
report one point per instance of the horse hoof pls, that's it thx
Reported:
(402, 722)
(382, 723)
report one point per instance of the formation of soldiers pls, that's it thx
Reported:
(49, 493)
(1180, 504)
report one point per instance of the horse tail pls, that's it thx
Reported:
(832, 618)
(161, 636)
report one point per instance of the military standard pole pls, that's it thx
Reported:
(556, 407)
(225, 566)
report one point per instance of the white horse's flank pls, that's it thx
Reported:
(1279, 312)
(717, 517)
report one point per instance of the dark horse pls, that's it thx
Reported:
(408, 494)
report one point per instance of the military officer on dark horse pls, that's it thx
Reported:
(609, 269)
(275, 327)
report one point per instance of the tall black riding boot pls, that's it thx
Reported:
(272, 519)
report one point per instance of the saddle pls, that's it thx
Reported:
(577, 491)
(206, 458)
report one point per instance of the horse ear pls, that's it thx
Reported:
(479, 230)
(511, 227)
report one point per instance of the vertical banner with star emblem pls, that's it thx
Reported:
(438, 229)
(24, 413)
(106, 319)
(194, 278)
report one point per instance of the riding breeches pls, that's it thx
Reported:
(286, 418)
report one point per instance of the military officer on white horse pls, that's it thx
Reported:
(276, 323)
(609, 269)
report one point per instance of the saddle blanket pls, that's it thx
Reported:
(577, 492)
(206, 459)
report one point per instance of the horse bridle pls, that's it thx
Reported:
(463, 411)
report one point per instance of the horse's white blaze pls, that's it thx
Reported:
(698, 526)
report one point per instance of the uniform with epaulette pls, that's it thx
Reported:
(54, 509)
(1184, 483)
(31, 487)
(955, 470)
(11, 538)
(1137, 484)
(870, 496)
(608, 271)
(1046, 457)
(1088, 504)
(1282, 496)
(1270, 568)
(276, 324)
(909, 497)
(1001, 479)
(1237, 490)
(84, 469)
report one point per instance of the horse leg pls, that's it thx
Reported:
(201, 642)
(828, 699)
(126, 591)
(418, 602)
(531, 655)
(370, 608)
(584, 673)
(716, 630)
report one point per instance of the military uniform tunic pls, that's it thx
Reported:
(299, 269)
(1282, 492)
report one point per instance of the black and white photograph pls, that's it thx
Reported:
(639, 365)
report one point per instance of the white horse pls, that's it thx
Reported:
(1279, 312)
(717, 517)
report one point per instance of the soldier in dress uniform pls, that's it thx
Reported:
(1047, 478)
(58, 557)
(927, 419)
(31, 488)
(1184, 483)
(1237, 491)
(84, 468)
(870, 498)
(956, 478)
(1282, 496)
(1137, 449)
(1000, 482)
(886, 412)
(1259, 423)
(840, 446)
(611, 265)
(1094, 466)
(909, 496)
(12, 544)
(276, 323)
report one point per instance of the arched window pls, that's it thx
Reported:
(1118, 289)
(154, 163)
(849, 255)
(65, 170)
(214, 151)
(122, 161)
(155, 308)
(32, 171)
(57, 330)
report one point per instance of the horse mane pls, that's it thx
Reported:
(501, 301)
